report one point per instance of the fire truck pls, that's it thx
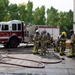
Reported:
(14, 32)
(53, 30)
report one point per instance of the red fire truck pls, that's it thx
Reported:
(12, 33)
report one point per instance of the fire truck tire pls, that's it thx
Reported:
(13, 43)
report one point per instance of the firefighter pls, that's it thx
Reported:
(72, 44)
(52, 42)
(44, 43)
(56, 45)
(40, 39)
(62, 43)
(49, 40)
(36, 28)
(36, 42)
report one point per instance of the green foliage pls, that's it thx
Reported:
(25, 13)
(13, 11)
(67, 22)
(52, 16)
(29, 11)
(62, 19)
(39, 16)
(3, 9)
(22, 12)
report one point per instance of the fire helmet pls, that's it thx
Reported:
(64, 33)
(37, 31)
(71, 31)
(44, 31)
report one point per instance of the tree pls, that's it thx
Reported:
(66, 21)
(13, 11)
(62, 20)
(29, 11)
(52, 16)
(22, 12)
(3, 9)
(39, 16)
(42, 15)
(69, 20)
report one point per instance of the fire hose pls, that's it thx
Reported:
(45, 62)
(8, 63)
(39, 62)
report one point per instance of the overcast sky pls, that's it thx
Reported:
(60, 5)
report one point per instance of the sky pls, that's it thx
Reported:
(60, 5)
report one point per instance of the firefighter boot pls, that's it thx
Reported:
(61, 52)
(71, 54)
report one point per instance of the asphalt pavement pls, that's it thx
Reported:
(66, 67)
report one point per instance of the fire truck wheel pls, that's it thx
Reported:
(13, 43)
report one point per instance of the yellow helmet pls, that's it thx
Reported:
(64, 33)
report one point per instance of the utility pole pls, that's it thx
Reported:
(74, 17)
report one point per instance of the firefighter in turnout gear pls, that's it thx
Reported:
(44, 43)
(49, 40)
(62, 43)
(36, 42)
(56, 45)
(72, 44)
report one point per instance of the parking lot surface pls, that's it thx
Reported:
(66, 67)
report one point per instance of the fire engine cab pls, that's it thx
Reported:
(11, 33)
